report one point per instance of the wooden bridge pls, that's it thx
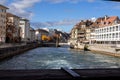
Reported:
(60, 74)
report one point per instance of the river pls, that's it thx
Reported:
(55, 58)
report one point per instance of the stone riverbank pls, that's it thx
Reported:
(101, 48)
(6, 52)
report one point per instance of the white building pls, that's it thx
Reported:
(108, 34)
(32, 34)
(25, 29)
(109, 31)
(3, 23)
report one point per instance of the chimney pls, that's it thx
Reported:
(106, 17)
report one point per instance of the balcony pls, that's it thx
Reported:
(81, 32)
(81, 36)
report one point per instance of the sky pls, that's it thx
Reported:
(61, 14)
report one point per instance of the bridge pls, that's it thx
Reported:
(61, 74)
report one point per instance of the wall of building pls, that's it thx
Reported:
(2, 24)
(108, 33)
(25, 30)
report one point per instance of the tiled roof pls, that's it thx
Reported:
(112, 19)
(100, 22)
(87, 23)
(105, 21)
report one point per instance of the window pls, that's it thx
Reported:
(113, 28)
(119, 35)
(21, 23)
(109, 35)
(116, 28)
(119, 27)
(113, 35)
(116, 35)
(110, 29)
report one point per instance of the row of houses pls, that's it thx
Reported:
(15, 29)
(104, 30)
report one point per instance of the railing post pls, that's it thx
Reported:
(70, 72)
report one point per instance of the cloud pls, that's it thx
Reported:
(56, 1)
(20, 7)
(90, 0)
(3, 1)
(65, 22)
(61, 1)
(70, 1)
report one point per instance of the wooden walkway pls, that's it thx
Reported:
(60, 74)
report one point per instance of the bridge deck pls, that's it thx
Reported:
(55, 74)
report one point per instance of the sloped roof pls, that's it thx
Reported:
(12, 15)
(103, 21)
(4, 6)
(42, 30)
(112, 19)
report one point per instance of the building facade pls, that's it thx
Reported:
(32, 34)
(12, 28)
(25, 29)
(81, 32)
(108, 34)
(2, 23)
(39, 33)
(109, 31)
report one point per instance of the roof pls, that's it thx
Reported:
(4, 6)
(111, 19)
(105, 21)
(12, 15)
(32, 29)
(24, 19)
(42, 30)
(87, 23)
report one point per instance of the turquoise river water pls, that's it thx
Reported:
(55, 58)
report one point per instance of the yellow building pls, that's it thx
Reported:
(2, 23)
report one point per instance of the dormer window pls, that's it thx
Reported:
(104, 22)
(109, 22)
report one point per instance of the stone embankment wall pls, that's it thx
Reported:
(104, 49)
(12, 51)
(100, 48)
(79, 46)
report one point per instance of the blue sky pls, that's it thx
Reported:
(61, 14)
